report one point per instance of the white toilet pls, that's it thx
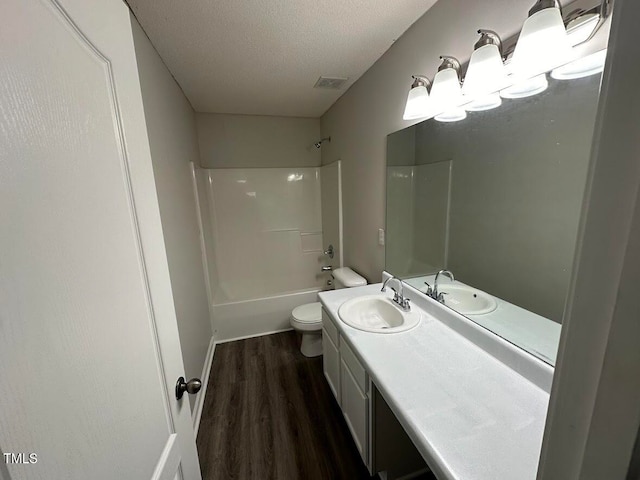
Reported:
(307, 319)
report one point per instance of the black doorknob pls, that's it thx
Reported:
(192, 386)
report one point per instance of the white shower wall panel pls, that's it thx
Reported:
(417, 224)
(267, 224)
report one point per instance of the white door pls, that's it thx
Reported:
(89, 351)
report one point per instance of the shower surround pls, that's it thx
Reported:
(262, 230)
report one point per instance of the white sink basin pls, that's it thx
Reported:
(467, 300)
(377, 314)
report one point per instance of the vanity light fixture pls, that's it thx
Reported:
(582, 25)
(486, 73)
(543, 43)
(418, 99)
(580, 30)
(446, 93)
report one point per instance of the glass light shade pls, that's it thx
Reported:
(452, 115)
(542, 46)
(580, 29)
(486, 73)
(486, 102)
(582, 67)
(446, 93)
(526, 88)
(417, 103)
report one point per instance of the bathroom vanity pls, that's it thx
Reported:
(472, 404)
(494, 199)
(350, 384)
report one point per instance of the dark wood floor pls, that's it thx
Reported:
(269, 414)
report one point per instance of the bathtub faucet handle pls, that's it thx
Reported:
(329, 251)
(328, 268)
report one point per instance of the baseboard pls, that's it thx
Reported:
(414, 474)
(385, 475)
(261, 334)
(199, 404)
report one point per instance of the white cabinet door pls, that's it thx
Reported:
(89, 346)
(331, 364)
(355, 407)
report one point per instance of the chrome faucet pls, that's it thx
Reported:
(398, 297)
(433, 292)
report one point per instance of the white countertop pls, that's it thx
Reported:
(469, 415)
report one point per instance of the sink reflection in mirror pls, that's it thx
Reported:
(496, 199)
(467, 300)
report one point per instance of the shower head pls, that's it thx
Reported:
(319, 143)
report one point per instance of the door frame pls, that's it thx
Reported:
(594, 409)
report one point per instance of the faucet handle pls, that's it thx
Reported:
(396, 297)
(329, 251)
(441, 297)
(429, 289)
(406, 304)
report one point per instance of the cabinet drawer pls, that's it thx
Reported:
(355, 408)
(331, 364)
(330, 328)
(358, 371)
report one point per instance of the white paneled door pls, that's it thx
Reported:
(89, 350)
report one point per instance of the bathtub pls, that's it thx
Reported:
(261, 316)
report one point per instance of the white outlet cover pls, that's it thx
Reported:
(381, 236)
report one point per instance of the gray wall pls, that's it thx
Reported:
(253, 141)
(172, 138)
(634, 467)
(372, 108)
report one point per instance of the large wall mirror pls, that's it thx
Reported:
(496, 199)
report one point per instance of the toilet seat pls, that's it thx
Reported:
(307, 317)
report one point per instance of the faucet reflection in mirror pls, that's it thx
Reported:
(433, 292)
(544, 45)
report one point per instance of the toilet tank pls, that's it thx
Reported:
(347, 278)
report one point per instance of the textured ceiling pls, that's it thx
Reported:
(264, 56)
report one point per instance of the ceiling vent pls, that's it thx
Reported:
(331, 83)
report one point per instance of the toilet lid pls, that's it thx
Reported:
(308, 313)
